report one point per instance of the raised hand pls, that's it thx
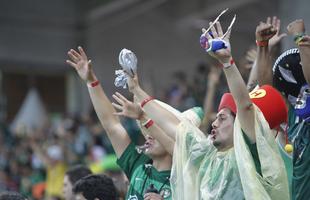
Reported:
(216, 32)
(133, 83)
(305, 41)
(265, 31)
(126, 107)
(80, 62)
(296, 27)
(276, 23)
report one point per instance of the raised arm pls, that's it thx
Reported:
(134, 111)
(163, 118)
(267, 39)
(236, 84)
(297, 29)
(103, 107)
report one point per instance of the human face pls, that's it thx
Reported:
(67, 189)
(153, 148)
(222, 130)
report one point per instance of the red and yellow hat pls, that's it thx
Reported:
(269, 101)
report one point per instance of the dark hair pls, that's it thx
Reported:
(96, 186)
(10, 195)
(77, 172)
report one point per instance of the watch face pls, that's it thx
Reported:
(288, 76)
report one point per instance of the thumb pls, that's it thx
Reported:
(90, 65)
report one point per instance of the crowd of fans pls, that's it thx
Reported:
(81, 157)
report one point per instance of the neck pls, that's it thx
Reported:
(162, 163)
(223, 149)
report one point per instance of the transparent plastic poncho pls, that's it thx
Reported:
(273, 183)
(199, 171)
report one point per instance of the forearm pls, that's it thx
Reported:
(156, 132)
(263, 68)
(243, 102)
(111, 123)
(103, 107)
(163, 118)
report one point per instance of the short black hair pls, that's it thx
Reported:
(77, 172)
(10, 195)
(96, 186)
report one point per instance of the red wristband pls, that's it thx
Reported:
(145, 101)
(230, 63)
(148, 123)
(93, 84)
(263, 43)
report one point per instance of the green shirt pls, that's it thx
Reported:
(141, 174)
(299, 130)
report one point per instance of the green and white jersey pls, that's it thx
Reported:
(139, 170)
(299, 132)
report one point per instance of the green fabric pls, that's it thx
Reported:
(300, 130)
(254, 152)
(200, 171)
(109, 163)
(142, 174)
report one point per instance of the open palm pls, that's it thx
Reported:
(80, 62)
(126, 107)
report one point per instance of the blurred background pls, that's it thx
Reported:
(43, 102)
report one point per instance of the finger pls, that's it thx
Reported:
(305, 38)
(219, 29)
(118, 99)
(71, 63)
(268, 21)
(204, 31)
(118, 114)
(82, 53)
(72, 56)
(213, 31)
(274, 21)
(90, 64)
(118, 107)
(119, 95)
(76, 54)
(278, 24)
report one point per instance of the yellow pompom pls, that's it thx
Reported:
(288, 148)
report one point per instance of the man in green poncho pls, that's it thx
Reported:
(210, 167)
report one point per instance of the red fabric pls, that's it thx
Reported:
(267, 99)
(272, 105)
(227, 101)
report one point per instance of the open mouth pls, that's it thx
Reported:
(213, 134)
